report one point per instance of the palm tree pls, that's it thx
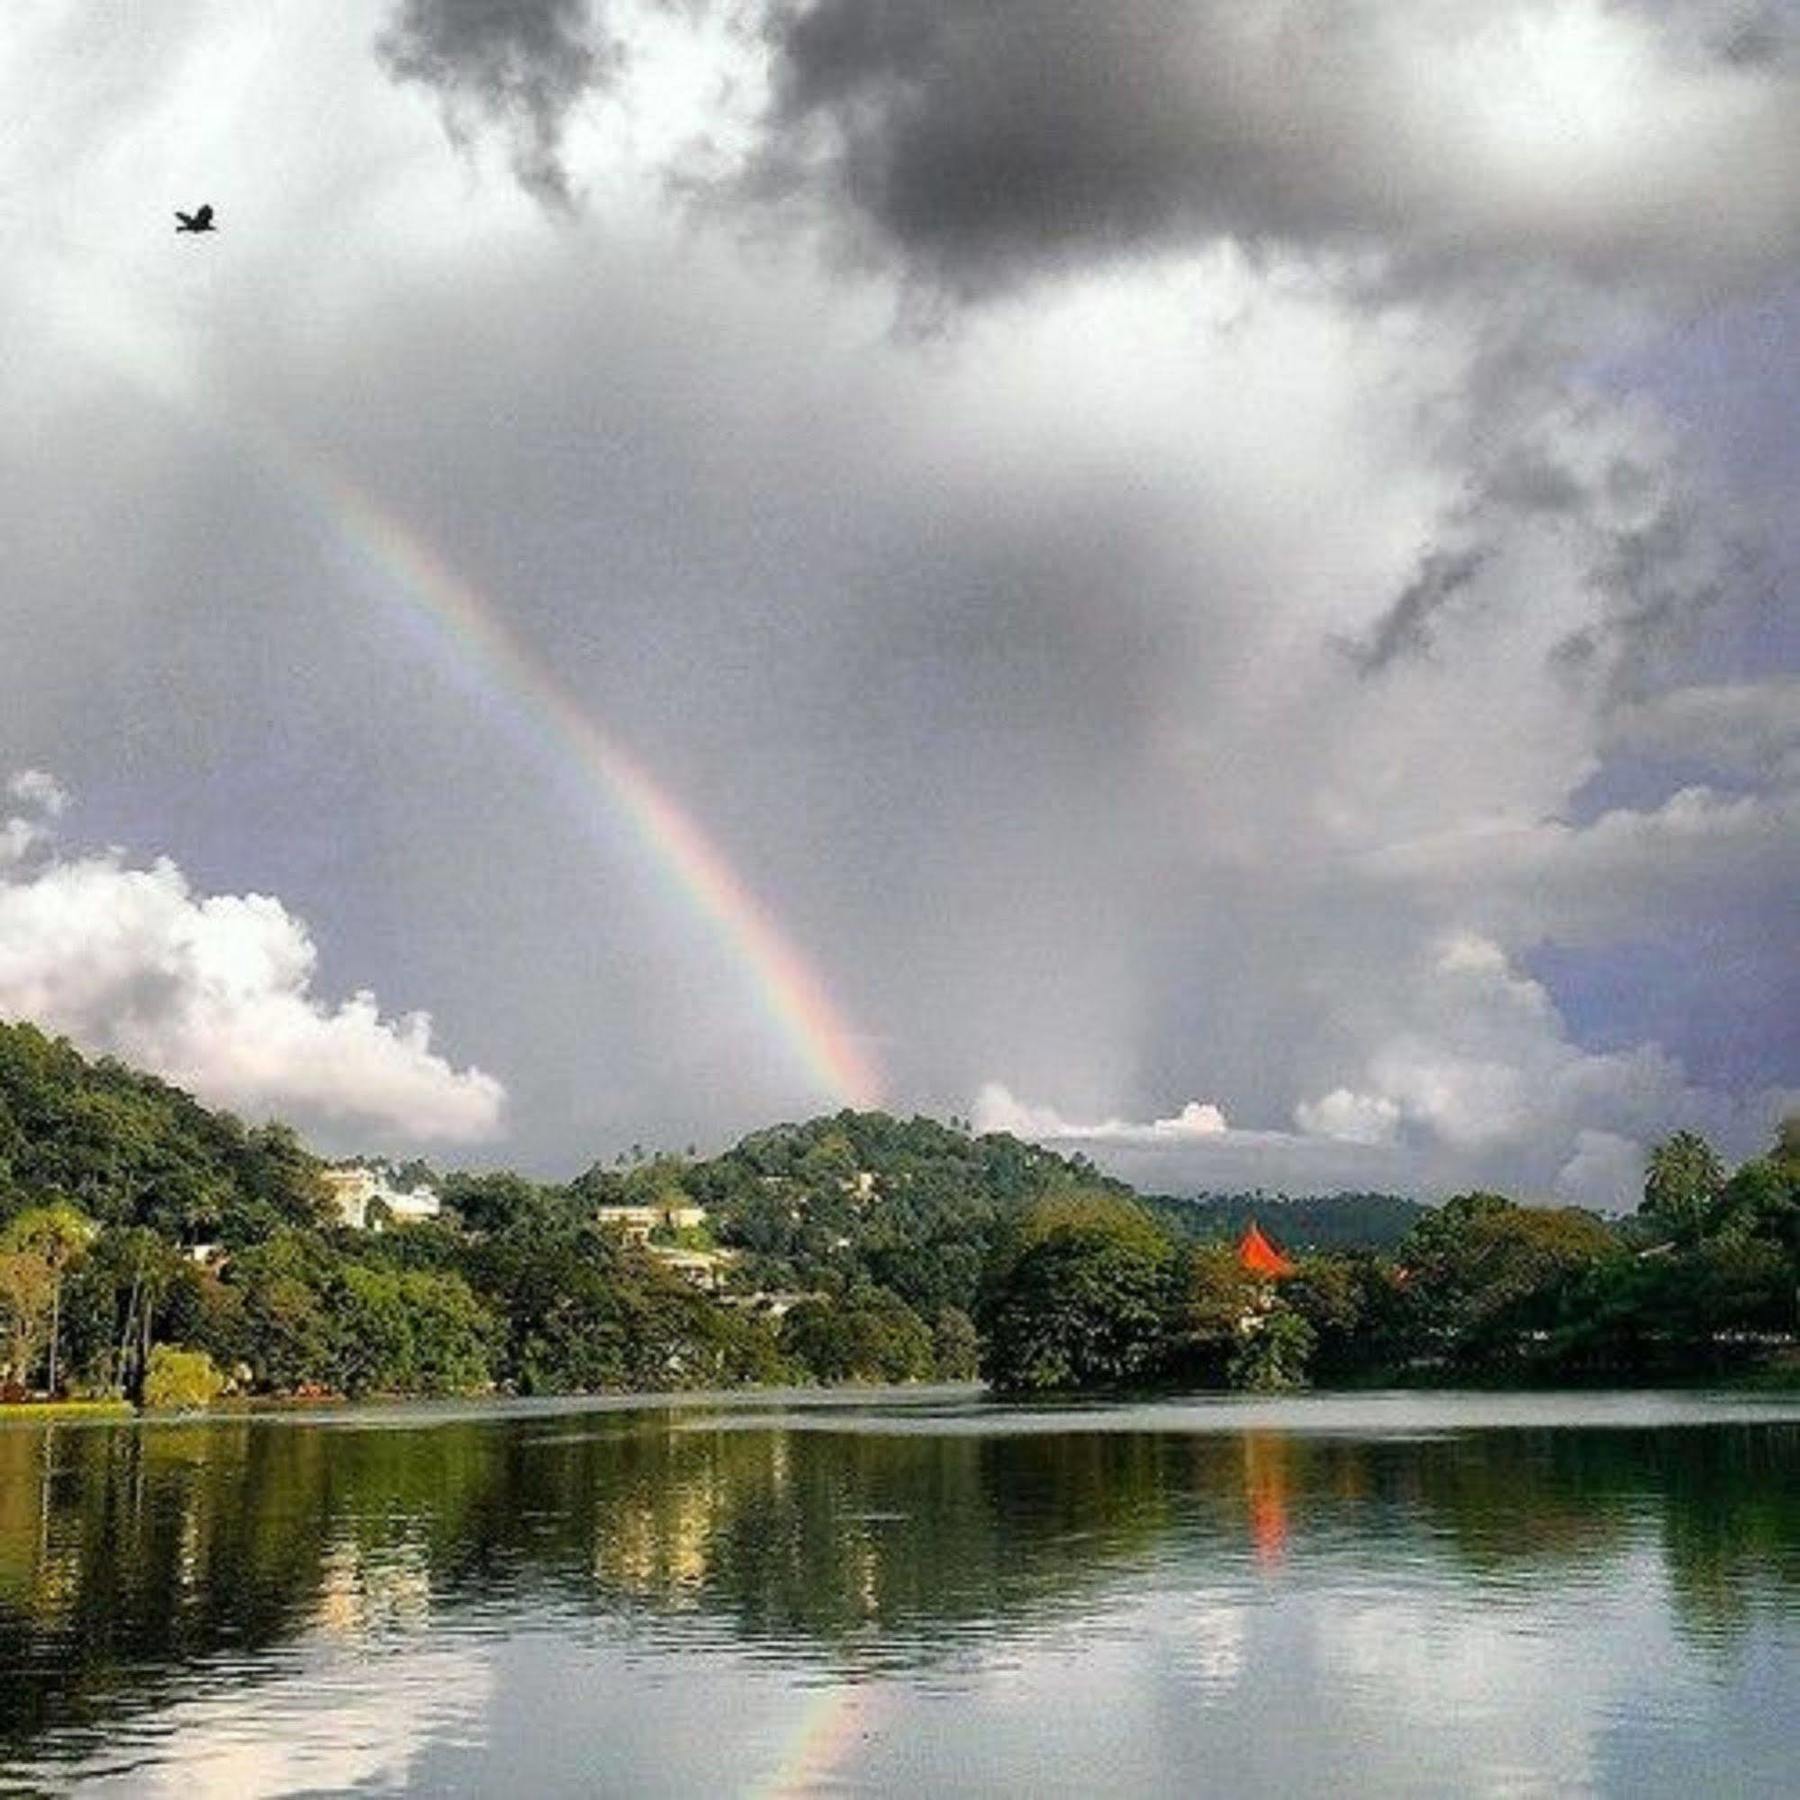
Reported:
(54, 1235)
(1682, 1186)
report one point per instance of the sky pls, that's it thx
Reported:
(1214, 586)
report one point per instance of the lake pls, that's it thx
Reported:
(920, 1592)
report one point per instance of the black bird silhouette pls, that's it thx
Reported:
(196, 221)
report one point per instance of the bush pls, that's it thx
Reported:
(1273, 1353)
(180, 1380)
(871, 1335)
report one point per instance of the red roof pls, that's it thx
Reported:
(1260, 1257)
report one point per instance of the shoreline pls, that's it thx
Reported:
(28, 1411)
(422, 1409)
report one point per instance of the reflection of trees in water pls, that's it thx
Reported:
(163, 1545)
(908, 1538)
(1731, 1524)
(1544, 1509)
(1527, 1506)
(1720, 1502)
(127, 1553)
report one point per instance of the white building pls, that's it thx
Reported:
(636, 1223)
(354, 1189)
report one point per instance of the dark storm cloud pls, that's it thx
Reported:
(520, 64)
(1405, 628)
(1007, 669)
(981, 140)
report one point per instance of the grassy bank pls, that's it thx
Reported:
(37, 1412)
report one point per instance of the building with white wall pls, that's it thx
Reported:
(354, 1189)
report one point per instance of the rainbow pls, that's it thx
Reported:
(468, 635)
(824, 1739)
(472, 643)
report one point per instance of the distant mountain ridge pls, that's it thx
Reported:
(1308, 1223)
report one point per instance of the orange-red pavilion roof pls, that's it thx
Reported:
(1260, 1257)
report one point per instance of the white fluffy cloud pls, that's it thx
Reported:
(1197, 1148)
(1349, 1118)
(997, 1109)
(1467, 1056)
(213, 992)
(39, 790)
(40, 798)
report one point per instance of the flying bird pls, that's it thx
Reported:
(196, 221)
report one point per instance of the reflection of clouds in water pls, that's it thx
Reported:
(1206, 1643)
(324, 1729)
(1526, 1686)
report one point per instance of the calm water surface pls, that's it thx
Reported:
(924, 1593)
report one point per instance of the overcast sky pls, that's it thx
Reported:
(1225, 577)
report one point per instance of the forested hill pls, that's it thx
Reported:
(906, 1204)
(1321, 1223)
(152, 1248)
(129, 1150)
(853, 1200)
(133, 1218)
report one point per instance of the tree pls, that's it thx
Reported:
(1682, 1186)
(180, 1380)
(1356, 1306)
(1484, 1274)
(56, 1236)
(1217, 1295)
(408, 1331)
(1762, 1198)
(131, 1287)
(1273, 1352)
(955, 1346)
(491, 1203)
(284, 1316)
(25, 1287)
(870, 1335)
(1081, 1294)
(1787, 1141)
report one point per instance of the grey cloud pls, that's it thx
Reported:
(1001, 667)
(1533, 483)
(522, 65)
(1405, 628)
(986, 139)
(1662, 555)
(1661, 583)
(1737, 32)
(1749, 728)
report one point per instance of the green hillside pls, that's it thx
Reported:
(155, 1249)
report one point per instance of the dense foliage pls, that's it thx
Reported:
(1076, 1295)
(127, 1149)
(859, 1200)
(1705, 1279)
(137, 1226)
